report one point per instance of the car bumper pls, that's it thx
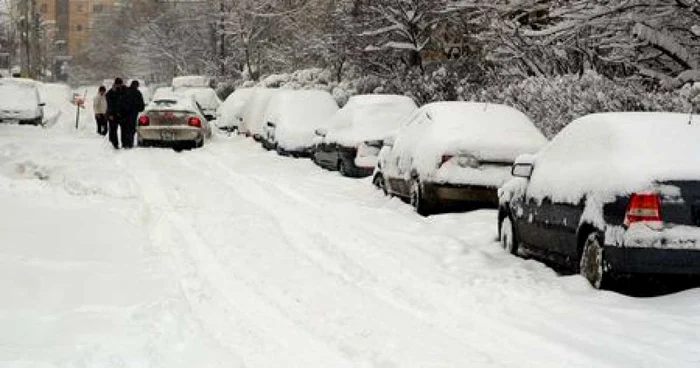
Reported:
(461, 194)
(349, 157)
(644, 250)
(653, 260)
(170, 134)
(296, 152)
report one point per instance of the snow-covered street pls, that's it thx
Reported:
(231, 256)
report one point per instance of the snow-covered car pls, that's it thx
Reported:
(192, 81)
(356, 132)
(173, 120)
(20, 101)
(292, 118)
(612, 194)
(231, 110)
(450, 154)
(254, 112)
(206, 97)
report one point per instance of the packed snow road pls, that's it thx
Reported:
(230, 256)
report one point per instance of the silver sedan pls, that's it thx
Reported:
(173, 120)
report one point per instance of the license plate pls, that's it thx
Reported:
(168, 136)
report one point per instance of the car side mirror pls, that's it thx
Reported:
(389, 141)
(42, 104)
(321, 132)
(209, 117)
(522, 170)
(270, 124)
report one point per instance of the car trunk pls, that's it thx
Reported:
(165, 118)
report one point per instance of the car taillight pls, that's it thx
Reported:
(143, 121)
(195, 122)
(643, 207)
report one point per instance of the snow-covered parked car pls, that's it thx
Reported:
(231, 110)
(456, 153)
(254, 112)
(20, 101)
(173, 120)
(292, 118)
(192, 81)
(206, 97)
(612, 194)
(356, 132)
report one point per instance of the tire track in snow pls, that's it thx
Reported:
(231, 313)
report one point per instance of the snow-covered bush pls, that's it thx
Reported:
(553, 102)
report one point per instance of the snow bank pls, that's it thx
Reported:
(617, 153)
(368, 117)
(231, 110)
(297, 114)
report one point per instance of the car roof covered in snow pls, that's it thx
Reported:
(369, 117)
(614, 154)
(486, 130)
(19, 82)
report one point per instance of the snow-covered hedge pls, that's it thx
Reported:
(551, 102)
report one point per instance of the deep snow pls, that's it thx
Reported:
(231, 256)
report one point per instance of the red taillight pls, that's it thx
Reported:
(144, 121)
(446, 158)
(643, 207)
(195, 122)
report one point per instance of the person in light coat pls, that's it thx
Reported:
(99, 104)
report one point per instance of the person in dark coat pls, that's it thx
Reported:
(134, 105)
(117, 113)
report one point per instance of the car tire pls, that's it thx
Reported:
(199, 144)
(508, 239)
(343, 168)
(418, 200)
(592, 265)
(142, 143)
(380, 183)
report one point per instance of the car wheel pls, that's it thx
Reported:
(343, 168)
(379, 182)
(418, 200)
(199, 144)
(508, 236)
(592, 264)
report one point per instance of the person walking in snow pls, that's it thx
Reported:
(117, 113)
(134, 105)
(99, 104)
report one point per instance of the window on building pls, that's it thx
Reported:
(97, 8)
(79, 27)
(81, 8)
(43, 8)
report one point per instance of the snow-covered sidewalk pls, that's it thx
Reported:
(231, 256)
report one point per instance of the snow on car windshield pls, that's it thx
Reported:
(617, 153)
(369, 117)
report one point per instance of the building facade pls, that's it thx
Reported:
(70, 22)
